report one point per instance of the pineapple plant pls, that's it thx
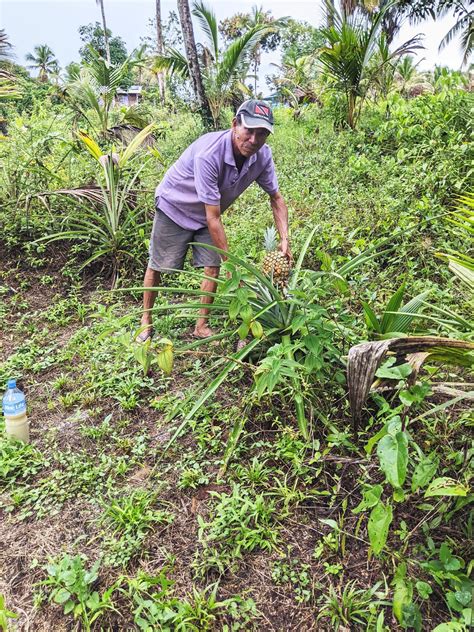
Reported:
(275, 264)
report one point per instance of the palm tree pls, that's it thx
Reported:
(349, 59)
(8, 89)
(223, 72)
(464, 27)
(106, 35)
(159, 48)
(93, 91)
(5, 47)
(42, 60)
(192, 56)
(406, 71)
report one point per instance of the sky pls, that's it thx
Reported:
(55, 22)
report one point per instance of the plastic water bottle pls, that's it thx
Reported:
(17, 425)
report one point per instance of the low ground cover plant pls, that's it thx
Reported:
(185, 486)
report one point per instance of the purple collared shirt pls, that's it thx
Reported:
(206, 173)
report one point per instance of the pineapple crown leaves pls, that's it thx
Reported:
(270, 239)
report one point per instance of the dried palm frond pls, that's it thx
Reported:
(364, 359)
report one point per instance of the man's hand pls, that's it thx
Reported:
(284, 246)
(280, 215)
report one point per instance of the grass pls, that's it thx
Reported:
(142, 536)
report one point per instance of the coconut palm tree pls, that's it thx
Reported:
(223, 71)
(5, 47)
(406, 72)
(106, 35)
(464, 27)
(43, 60)
(8, 89)
(349, 59)
(92, 92)
(192, 56)
(159, 48)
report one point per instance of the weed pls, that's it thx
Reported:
(241, 522)
(192, 476)
(350, 606)
(5, 614)
(19, 462)
(75, 475)
(155, 608)
(129, 518)
(294, 572)
(71, 585)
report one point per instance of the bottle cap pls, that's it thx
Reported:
(11, 383)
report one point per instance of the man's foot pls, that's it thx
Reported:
(203, 331)
(146, 333)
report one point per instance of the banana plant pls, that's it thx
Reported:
(109, 219)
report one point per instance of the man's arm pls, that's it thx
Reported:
(280, 215)
(216, 228)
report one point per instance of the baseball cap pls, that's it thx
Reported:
(256, 113)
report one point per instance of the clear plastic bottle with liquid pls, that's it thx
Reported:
(17, 425)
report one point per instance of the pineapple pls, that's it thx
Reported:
(275, 265)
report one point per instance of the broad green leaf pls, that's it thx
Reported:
(370, 498)
(389, 372)
(398, 495)
(165, 360)
(393, 455)
(69, 607)
(313, 343)
(379, 522)
(424, 472)
(423, 589)
(415, 394)
(451, 626)
(403, 592)
(246, 314)
(62, 596)
(453, 601)
(445, 486)
(449, 561)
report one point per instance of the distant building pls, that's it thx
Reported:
(130, 96)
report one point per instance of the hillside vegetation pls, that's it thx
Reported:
(179, 486)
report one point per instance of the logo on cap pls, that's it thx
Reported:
(262, 110)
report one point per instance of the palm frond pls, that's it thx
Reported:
(207, 21)
(364, 359)
(236, 55)
(173, 62)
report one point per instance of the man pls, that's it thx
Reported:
(210, 174)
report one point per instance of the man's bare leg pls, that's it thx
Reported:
(202, 329)
(152, 279)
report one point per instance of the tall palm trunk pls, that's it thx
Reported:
(159, 48)
(191, 54)
(104, 25)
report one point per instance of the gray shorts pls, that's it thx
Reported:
(169, 244)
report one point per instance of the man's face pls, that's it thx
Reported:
(248, 141)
